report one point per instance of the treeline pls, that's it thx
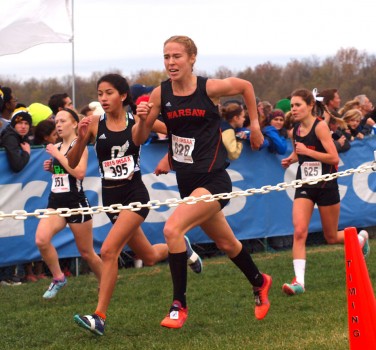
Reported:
(350, 71)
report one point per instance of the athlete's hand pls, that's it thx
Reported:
(51, 149)
(143, 110)
(301, 148)
(83, 127)
(163, 166)
(286, 162)
(47, 165)
(257, 139)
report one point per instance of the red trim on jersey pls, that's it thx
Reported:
(216, 151)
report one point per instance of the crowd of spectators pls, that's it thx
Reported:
(24, 127)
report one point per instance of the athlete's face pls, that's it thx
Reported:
(109, 97)
(66, 125)
(177, 61)
(299, 108)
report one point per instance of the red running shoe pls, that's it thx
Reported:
(176, 316)
(261, 297)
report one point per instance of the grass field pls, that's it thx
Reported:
(220, 303)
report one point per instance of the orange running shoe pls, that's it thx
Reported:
(176, 317)
(261, 297)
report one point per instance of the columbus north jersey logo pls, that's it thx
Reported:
(187, 112)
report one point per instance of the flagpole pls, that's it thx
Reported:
(73, 72)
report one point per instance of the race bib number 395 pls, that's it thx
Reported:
(118, 168)
(182, 148)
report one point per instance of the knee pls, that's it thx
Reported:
(300, 234)
(85, 254)
(149, 261)
(227, 246)
(41, 242)
(108, 254)
(170, 232)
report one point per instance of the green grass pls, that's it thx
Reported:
(220, 305)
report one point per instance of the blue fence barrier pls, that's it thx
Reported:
(250, 217)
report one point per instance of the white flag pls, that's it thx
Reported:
(27, 23)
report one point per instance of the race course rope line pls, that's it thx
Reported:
(173, 202)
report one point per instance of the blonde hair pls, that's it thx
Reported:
(352, 104)
(352, 114)
(187, 42)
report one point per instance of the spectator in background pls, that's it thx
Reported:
(355, 130)
(366, 107)
(138, 90)
(45, 133)
(264, 108)
(284, 105)
(233, 115)
(352, 104)
(39, 112)
(3, 122)
(60, 101)
(14, 139)
(9, 103)
(332, 101)
(330, 112)
(275, 133)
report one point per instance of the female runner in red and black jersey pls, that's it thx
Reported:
(189, 106)
(317, 155)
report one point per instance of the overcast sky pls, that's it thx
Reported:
(129, 35)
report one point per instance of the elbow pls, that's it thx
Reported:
(80, 175)
(233, 155)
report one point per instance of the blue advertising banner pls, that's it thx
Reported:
(255, 216)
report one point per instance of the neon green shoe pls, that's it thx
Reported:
(293, 288)
(366, 248)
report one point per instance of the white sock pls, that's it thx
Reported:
(299, 268)
(361, 241)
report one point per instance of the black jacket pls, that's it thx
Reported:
(11, 141)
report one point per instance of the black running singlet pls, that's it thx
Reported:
(193, 124)
(64, 184)
(310, 167)
(118, 156)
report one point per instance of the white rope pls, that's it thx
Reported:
(174, 202)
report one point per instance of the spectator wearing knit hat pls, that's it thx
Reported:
(15, 140)
(274, 132)
(284, 105)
